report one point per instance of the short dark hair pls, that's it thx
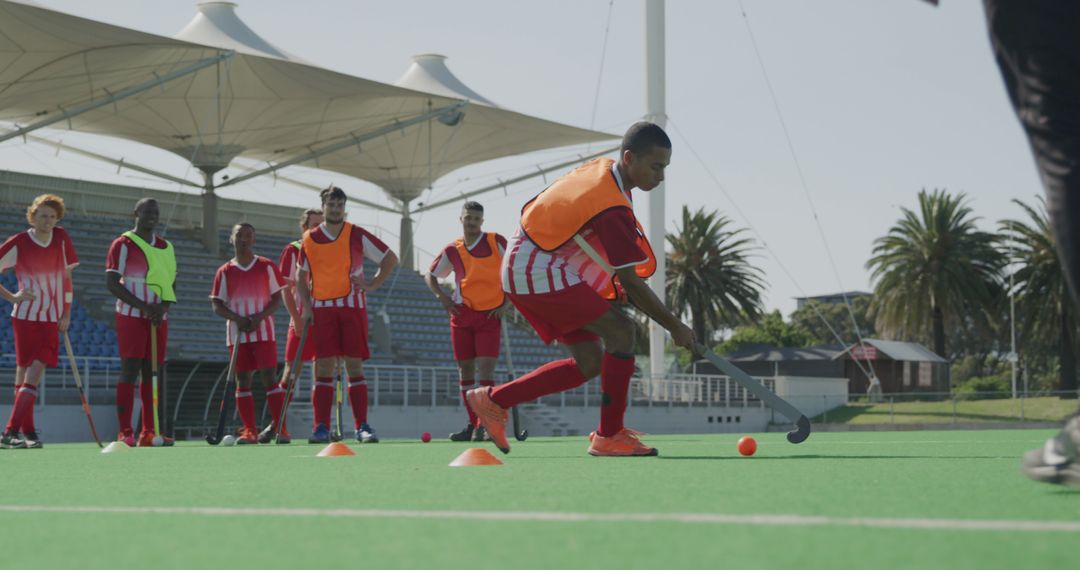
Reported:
(471, 205)
(139, 205)
(332, 193)
(642, 136)
(236, 229)
(307, 216)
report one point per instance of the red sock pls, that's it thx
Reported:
(615, 373)
(358, 399)
(550, 378)
(146, 395)
(275, 397)
(465, 386)
(245, 404)
(125, 405)
(24, 404)
(27, 419)
(322, 399)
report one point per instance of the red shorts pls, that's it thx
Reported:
(36, 340)
(292, 342)
(133, 338)
(340, 331)
(562, 315)
(255, 355)
(474, 333)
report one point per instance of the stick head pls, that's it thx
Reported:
(801, 431)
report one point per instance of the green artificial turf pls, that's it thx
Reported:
(925, 475)
(1041, 409)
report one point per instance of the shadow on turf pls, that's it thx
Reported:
(783, 458)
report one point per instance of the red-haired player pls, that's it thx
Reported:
(43, 257)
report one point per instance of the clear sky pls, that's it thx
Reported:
(881, 99)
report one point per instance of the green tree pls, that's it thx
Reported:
(819, 318)
(935, 270)
(1047, 312)
(709, 274)
(772, 331)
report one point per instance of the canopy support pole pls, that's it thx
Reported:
(655, 96)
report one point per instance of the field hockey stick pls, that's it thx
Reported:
(78, 384)
(294, 373)
(802, 424)
(337, 435)
(519, 434)
(219, 433)
(154, 376)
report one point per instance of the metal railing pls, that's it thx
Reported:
(94, 378)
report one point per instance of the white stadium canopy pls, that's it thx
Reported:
(217, 91)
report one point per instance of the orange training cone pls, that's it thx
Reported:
(475, 456)
(336, 449)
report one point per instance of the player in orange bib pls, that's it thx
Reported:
(578, 248)
(333, 293)
(247, 292)
(476, 306)
(43, 258)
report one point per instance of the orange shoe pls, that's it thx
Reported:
(492, 416)
(623, 444)
(592, 434)
(146, 439)
(247, 437)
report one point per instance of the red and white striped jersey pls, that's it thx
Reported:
(529, 270)
(128, 260)
(41, 268)
(363, 244)
(246, 290)
(288, 268)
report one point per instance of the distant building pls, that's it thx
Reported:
(899, 366)
(831, 298)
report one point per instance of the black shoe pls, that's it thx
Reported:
(10, 440)
(480, 434)
(366, 434)
(31, 440)
(1057, 461)
(267, 435)
(320, 435)
(463, 435)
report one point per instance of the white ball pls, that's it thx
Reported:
(228, 440)
(158, 441)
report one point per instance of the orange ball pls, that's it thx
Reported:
(747, 446)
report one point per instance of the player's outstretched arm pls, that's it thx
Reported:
(643, 297)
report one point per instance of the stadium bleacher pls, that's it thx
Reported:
(415, 322)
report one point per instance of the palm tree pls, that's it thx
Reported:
(1048, 310)
(709, 274)
(935, 268)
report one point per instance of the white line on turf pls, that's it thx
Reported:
(993, 525)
